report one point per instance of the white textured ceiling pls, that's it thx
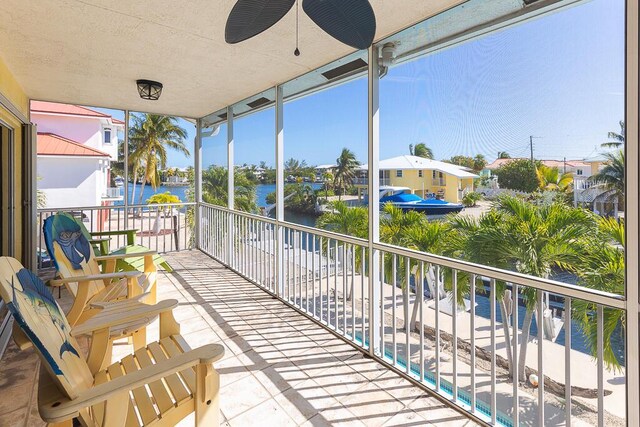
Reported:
(91, 51)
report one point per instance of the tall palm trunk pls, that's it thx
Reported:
(526, 329)
(416, 302)
(507, 335)
(133, 187)
(350, 288)
(405, 303)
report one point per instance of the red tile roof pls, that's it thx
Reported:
(549, 163)
(50, 144)
(74, 110)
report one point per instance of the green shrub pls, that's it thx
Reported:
(519, 175)
(471, 199)
(163, 198)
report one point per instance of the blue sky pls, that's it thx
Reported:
(560, 78)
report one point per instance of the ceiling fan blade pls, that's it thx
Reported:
(352, 22)
(249, 18)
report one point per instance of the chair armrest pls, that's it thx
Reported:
(56, 408)
(113, 232)
(106, 304)
(108, 276)
(130, 233)
(122, 256)
(104, 239)
(119, 313)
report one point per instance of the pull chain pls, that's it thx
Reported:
(297, 51)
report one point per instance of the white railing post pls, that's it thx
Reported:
(197, 184)
(279, 191)
(374, 202)
(632, 360)
(126, 169)
(230, 186)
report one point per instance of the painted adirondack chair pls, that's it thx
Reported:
(80, 272)
(159, 384)
(100, 241)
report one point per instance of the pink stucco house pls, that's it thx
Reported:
(76, 146)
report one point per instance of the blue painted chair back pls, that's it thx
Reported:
(69, 248)
(39, 316)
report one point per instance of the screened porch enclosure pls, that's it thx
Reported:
(355, 325)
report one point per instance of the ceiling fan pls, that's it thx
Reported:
(351, 22)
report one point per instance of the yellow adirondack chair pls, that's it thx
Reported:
(80, 271)
(159, 384)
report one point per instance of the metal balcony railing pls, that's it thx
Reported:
(365, 181)
(160, 227)
(393, 304)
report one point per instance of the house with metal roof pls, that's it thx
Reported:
(425, 177)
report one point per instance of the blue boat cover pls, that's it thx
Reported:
(411, 198)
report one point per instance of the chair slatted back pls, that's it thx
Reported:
(71, 251)
(42, 320)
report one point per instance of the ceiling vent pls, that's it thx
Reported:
(347, 68)
(259, 102)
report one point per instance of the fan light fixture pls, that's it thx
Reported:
(148, 89)
(351, 22)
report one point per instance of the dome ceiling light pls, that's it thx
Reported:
(149, 89)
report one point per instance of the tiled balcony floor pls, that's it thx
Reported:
(279, 368)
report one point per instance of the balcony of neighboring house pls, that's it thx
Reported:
(365, 181)
(439, 182)
(113, 194)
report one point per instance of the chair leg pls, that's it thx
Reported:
(139, 339)
(68, 423)
(207, 398)
(100, 351)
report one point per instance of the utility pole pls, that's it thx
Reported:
(531, 146)
(531, 137)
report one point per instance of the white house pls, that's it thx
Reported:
(579, 168)
(76, 146)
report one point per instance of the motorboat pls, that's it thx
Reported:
(402, 198)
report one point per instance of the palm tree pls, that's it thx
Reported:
(430, 237)
(345, 171)
(472, 239)
(479, 162)
(150, 136)
(529, 239)
(603, 268)
(351, 222)
(294, 167)
(618, 138)
(612, 176)
(327, 178)
(552, 180)
(394, 227)
(345, 220)
(421, 150)
(215, 188)
(503, 155)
